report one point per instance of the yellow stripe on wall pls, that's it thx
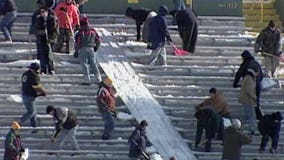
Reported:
(132, 1)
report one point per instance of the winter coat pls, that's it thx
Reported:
(7, 6)
(87, 37)
(208, 120)
(145, 29)
(158, 31)
(64, 118)
(45, 30)
(233, 141)
(138, 141)
(248, 62)
(13, 145)
(67, 15)
(188, 28)
(105, 98)
(270, 124)
(218, 104)
(139, 15)
(247, 92)
(269, 41)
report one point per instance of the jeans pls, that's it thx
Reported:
(109, 123)
(87, 56)
(68, 135)
(250, 116)
(31, 113)
(7, 23)
(158, 56)
(45, 55)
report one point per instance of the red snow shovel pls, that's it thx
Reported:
(178, 52)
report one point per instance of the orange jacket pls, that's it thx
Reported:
(67, 14)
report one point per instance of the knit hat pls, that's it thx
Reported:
(49, 109)
(236, 123)
(107, 81)
(213, 90)
(143, 123)
(271, 24)
(84, 21)
(15, 125)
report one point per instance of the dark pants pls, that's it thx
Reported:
(45, 56)
(208, 134)
(109, 122)
(64, 37)
(257, 92)
(189, 38)
(265, 139)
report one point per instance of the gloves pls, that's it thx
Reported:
(43, 94)
(63, 9)
(95, 49)
(170, 40)
(236, 85)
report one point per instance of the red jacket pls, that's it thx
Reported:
(105, 99)
(67, 13)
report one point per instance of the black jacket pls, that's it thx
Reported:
(139, 15)
(270, 124)
(249, 62)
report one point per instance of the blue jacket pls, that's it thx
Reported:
(158, 31)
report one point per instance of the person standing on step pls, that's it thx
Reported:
(8, 10)
(188, 28)
(139, 15)
(158, 33)
(106, 106)
(138, 141)
(249, 62)
(234, 138)
(66, 126)
(248, 99)
(13, 143)
(207, 120)
(33, 31)
(269, 127)
(68, 19)
(45, 29)
(31, 89)
(219, 105)
(268, 42)
(86, 46)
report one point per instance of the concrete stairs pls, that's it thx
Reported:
(178, 87)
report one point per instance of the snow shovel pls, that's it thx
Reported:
(281, 57)
(178, 52)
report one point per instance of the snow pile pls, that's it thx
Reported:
(15, 98)
(156, 156)
(124, 116)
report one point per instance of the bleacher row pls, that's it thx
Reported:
(178, 87)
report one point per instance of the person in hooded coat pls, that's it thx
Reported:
(158, 33)
(139, 15)
(138, 141)
(269, 127)
(250, 62)
(145, 29)
(269, 43)
(188, 28)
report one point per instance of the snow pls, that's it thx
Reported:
(141, 103)
(15, 98)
